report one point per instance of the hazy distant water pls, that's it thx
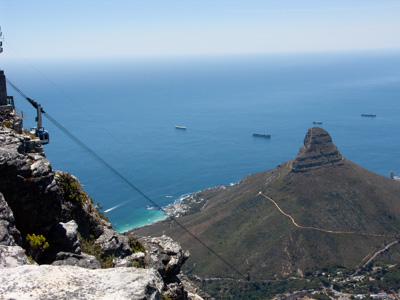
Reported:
(126, 109)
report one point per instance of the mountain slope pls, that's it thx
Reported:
(318, 189)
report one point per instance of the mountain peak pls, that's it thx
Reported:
(318, 151)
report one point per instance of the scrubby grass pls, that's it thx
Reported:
(135, 245)
(70, 189)
(90, 247)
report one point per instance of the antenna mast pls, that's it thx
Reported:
(1, 40)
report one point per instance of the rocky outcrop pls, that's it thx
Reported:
(8, 118)
(90, 223)
(113, 243)
(9, 234)
(28, 184)
(318, 151)
(11, 255)
(167, 257)
(72, 259)
(67, 282)
(64, 237)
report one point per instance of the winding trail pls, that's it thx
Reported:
(320, 229)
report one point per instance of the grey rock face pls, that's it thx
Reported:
(136, 259)
(176, 290)
(318, 150)
(84, 213)
(165, 255)
(80, 260)
(64, 237)
(9, 235)
(12, 256)
(28, 185)
(113, 243)
(9, 118)
(67, 282)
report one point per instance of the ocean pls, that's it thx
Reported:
(126, 109)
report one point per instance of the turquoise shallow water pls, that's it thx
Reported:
(126, 110)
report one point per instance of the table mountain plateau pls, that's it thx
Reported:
(316, 211)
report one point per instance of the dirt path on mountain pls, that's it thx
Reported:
(320, 229)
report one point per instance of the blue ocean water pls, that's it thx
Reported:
(126, 110)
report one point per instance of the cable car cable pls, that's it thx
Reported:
(122, 178)
(69, 98)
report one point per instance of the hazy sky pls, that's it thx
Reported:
(61, 28)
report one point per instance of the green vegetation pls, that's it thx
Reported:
(317, 285)
(28, 133)
(376, 280)
(70, 189)
(135, 245)
(165, 297)
(267, 289)
(73, 192)
(7, 124)
(90, 247)
(37, 245)
(99, 210)
(331, 217)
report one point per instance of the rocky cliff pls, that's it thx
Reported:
(55, 244)
(317, 151)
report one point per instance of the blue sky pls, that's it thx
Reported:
(59, 28)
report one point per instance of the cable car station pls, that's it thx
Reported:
(38, 130)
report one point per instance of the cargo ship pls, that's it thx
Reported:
(368, 115)
(267, 135)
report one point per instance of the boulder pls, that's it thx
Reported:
(113, 243)
(175, 291)
(68, 282)
(165, 255)
(64, 237)
(134, 260)
(12, 256)
(82, 260)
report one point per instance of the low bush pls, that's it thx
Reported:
(37, 245)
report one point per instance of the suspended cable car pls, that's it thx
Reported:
(39, 130)
(43, 135)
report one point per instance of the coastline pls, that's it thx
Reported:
(174, 210)
(180, 206)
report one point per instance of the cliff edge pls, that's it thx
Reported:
(55, 243)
